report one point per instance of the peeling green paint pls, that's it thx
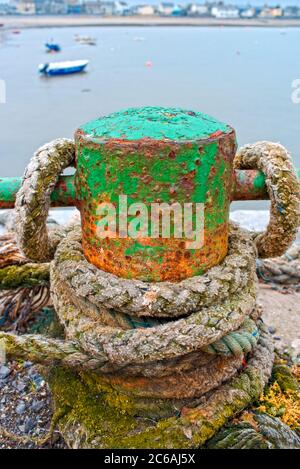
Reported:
(157, 123)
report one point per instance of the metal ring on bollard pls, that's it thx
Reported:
(33, 199)
(284, 192)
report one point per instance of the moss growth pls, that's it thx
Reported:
(65, 256)
(283, 375)
(106, 418)
(93, 409)
(27, 275)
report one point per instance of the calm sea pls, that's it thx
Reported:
(242, 76)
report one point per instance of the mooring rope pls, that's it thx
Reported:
(196, 423)
(33, 199)
(155, 299)
(158, 340)
(283, 189)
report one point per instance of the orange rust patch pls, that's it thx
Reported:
(174, 264)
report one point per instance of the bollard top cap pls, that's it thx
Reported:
(155, 123)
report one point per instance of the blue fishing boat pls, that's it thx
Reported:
(63, 68)
(52, 47)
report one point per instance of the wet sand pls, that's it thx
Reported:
(85, 20)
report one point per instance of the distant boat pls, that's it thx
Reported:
(63, 68)
(52, 47)
(85, 40)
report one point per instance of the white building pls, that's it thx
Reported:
(276, 12)
(196, 9)
(26, 8)
(248, 13)
(225, 12)
(145, 10)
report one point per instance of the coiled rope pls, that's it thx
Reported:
(159, 340)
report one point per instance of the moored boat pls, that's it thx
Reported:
(85, 40)
(52, 47)
(63, 68)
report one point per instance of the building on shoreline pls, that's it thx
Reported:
(225, 11)
(26, 7)
(269, 12)
(198, 10)
(248, 13)
(144, 10)
(217, 9)
(291, 12)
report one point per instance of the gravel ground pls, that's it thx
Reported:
(25, 407)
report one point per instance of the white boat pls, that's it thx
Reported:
(63, 68)
(85, 40)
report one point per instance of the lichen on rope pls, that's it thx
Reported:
(100, 425)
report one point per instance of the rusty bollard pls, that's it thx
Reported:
(163, 337)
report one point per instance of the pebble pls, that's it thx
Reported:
(20, 385)
(272, 329)
(4, 372)
(296, 345)
(29, 425)
(36, 406)
(37, 380)
(20, 409)
(27, 364)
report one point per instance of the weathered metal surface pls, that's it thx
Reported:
(62, 196)
(155, 155)
(247, 185)
(8, 190)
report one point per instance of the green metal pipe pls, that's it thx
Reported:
(62, 196)
(248, 185)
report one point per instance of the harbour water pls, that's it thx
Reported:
(242, 76)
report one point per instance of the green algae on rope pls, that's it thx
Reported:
(91, 423)
(26, 276)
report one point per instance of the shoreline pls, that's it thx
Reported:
(24, 22)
